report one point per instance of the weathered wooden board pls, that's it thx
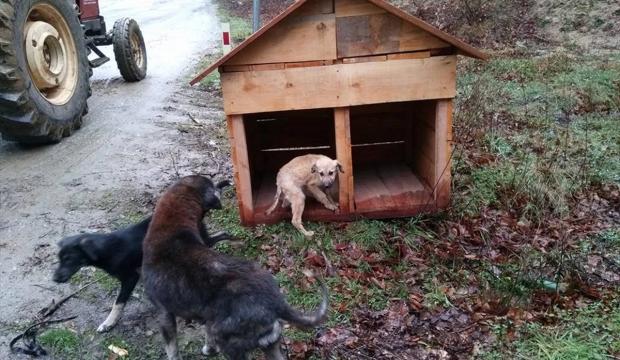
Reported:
(424, 141)
(339, 85)
(364, 59)
(443, 139)
(356, 8)
(410, 55)
(295, 39)
(388, 187)
(381, 34)
(243, 181)
(315, 7)
(342, 123)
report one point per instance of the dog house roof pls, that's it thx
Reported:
(462, 47)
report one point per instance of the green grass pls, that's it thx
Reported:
(587, 333)
(63, 343)
(88, 274)
(549, 126)
(240, 28)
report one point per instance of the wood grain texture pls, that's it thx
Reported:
(316, 7)
(342, 122)
(388, 187)
(241, 163)
(356, 8)
(461, 47)
(293, 40)
(381, 34)
(410, 55)
(443, 139)
(339, 85)
(424, 141)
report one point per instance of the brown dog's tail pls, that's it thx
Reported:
(302, 320)
(276, 200)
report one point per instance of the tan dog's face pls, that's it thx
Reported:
(327, 171)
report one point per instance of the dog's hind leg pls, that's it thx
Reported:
(273, 352)
(276, 199)
(127, 286)
(168, 327)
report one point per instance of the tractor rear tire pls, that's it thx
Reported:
(42, 96)
(129, 49)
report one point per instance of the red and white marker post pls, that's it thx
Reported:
(226, 41)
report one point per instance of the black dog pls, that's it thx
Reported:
(238, 301)
(119, 254)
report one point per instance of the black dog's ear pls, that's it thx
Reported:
(88, 245)
(340, 168)
(314, 169)
(222, 184)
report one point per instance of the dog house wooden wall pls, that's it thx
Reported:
(359, 80)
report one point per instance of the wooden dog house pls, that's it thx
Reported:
(357, 80)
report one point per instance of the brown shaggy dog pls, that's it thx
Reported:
(238, 301)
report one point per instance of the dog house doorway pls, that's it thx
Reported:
(395, 156)
(273, 139)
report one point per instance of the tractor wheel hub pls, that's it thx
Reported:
(45, 53)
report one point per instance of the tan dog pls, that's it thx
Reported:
(307, 174)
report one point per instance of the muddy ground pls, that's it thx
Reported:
(136, 139)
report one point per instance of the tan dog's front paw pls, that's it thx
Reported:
(332, 207)
(309, 233)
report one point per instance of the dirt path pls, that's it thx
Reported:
(109, 172)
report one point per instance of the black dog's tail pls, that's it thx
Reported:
(302, 320)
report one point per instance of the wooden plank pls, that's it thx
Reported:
(316, 7)
(267, 67)
(463, 48)
(339, 85)
(356, 8)
(425, 169)
(296, 39)
(236, 68)
(374, 195)
(405, 187)
(410, 55)
(278, 66)
(443, 140)
(424, 140)
(342, 122)
(239, 153)
(364, 59)
(381, 34)
(412, 38)
(308, 64)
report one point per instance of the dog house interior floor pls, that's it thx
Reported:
(388, 187)
(392, 151)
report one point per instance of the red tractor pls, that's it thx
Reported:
(44, 66)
